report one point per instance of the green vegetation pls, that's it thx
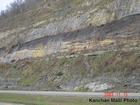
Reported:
(83, 90)
(68, 61)
(59, 73)
(56, 100)
(64, 61)
(35, 12)
(32, 70)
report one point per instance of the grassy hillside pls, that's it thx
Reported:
(105, 55)
(53, 72)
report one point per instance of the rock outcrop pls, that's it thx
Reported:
(92, 46)
(94, 12)
(90, 38)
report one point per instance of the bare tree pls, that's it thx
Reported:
(3, 15)
(17, 7)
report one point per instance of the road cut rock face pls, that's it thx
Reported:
(69, 53)
(101, 12)
(90, 38)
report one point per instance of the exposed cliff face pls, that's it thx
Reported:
(94, 12)
(78, 47)
(90, 38)
(97, 13)
(85, 59)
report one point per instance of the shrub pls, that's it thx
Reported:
(59, 73)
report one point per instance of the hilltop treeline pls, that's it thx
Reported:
(22, 6)
(16, 7)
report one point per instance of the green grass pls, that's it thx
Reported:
(83, 90)
(34, 70)
(64, 61)
(55, 100)
(59, 73)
